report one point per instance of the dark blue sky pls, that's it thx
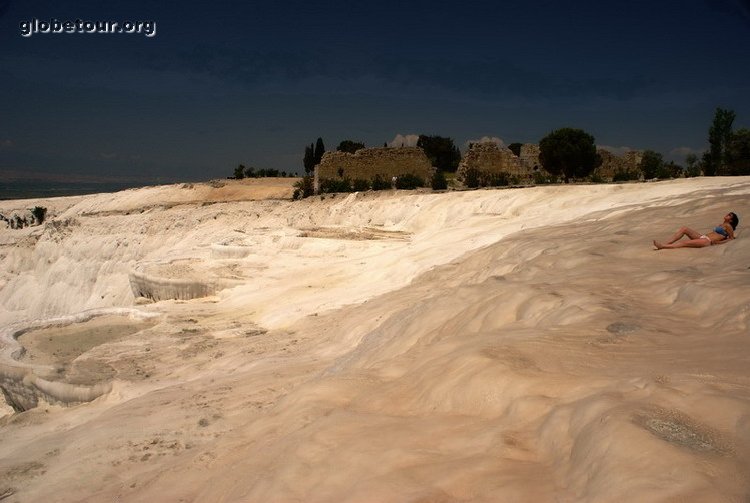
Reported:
(253, 83)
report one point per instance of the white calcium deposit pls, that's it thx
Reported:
(492, 345)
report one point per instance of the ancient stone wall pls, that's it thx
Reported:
(633, 159)
(530, 157)
(365, 163)
(490, 158)
(612, 163)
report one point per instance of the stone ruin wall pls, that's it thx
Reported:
(612, 163)
(486, 157)
(491, 158)
(530, 157)
(633, 159)
(367, 162)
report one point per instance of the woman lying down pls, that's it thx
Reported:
(720, 234)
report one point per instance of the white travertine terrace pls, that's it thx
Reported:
(491, 345)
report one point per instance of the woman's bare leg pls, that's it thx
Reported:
(684, 231)
(691, 243)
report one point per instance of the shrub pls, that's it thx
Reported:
(380, 183)
(360, 185)
(39, 213)
(494, 180)
(624, 176)
(472, 178)
(439, 182)
(540, 178)
(409, 181)
(304, 188)
(663, 172)
(693, 171)
(330, 185)
(596, 178)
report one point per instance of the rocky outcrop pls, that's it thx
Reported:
(366, 163)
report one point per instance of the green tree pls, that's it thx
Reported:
(442, 152)
(669, 170)
(569, 152)
(320, 149)
(692, 169)
(691, 160)
(738, 153)
(719, 135)
(652, 164)
(350, 146)
(239, 172)
(309, 159)
(515, 148)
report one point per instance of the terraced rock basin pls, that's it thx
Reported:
(56, 360)
(184, 279)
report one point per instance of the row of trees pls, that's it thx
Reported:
(241, 172)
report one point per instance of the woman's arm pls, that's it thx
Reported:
(730, 231)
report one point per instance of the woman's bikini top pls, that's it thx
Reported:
(721, 230)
